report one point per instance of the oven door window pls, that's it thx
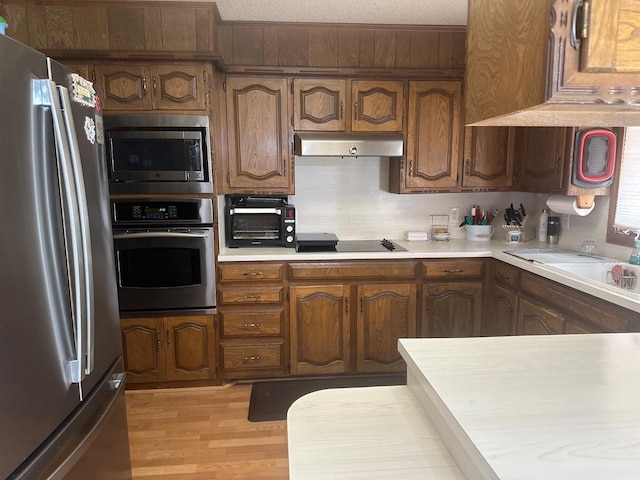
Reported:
(256, 226)
(159, 267)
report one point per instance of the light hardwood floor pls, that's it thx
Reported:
(202, 434)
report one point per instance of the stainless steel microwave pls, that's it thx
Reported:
(158, 153)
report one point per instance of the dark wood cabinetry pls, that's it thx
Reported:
(253, 319)
(501, 307)
(488, 158)
(166, 349)
(535, 319)
(452, 298)
(258, 136)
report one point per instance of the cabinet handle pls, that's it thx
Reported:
(453, 270)
(503, 276)
(574, 37)
(144, 86)
(252, 297)
(341, 114)
(355, 111)
(284, 167)
(410, 168)
(362, 305)
(252, 274)
(557, 166)
(155, 85)
(168, 338)
(158, 338)
(346, 305)
(251, 359)
(467, 167)
(251, 325)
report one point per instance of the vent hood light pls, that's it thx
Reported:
(330, 144)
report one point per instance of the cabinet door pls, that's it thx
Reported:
(611, 44)
(385, 314)
(125, 87)
(577, 325)
(540, 156)
(503, 315)
(143, 349)
(378, 106)
(181, 87)
(433, 135)
(488, 157)
(452, 309)
(190, 348)
(83, 69)
(320, 329)
(534, 319)
(258, 133)
(319, 105)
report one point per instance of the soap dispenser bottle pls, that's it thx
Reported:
(635, 253)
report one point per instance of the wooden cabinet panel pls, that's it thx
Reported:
(452, 268)
(143, 349)
(352, 270)
(125, 87)
(250, 272)
(502, 320)
(190, 348)
(252, 357)
(182, 89)
(378, 106)
(385, 314)
(507, 275)
(249, 323)
(319, 104)
(320, 329)
(576, 325)
(259, 158)
(452, 309)
(541, 158)
(249, 295)
(433, 137)
(534, 319)
(168, 348)
(488, 157)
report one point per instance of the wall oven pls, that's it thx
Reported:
(158, 153)
(164, 253)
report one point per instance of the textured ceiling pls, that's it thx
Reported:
(395, 12)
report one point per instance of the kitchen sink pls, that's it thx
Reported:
(555, 255)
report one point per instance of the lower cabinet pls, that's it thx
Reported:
(534, 319)
(352, 323)
(165, 349)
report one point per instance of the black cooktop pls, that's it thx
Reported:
(328, 242)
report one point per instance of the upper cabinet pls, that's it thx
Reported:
(433, 139)
(339, 105)
(553, 63)
(138, 88)
(258, 136)
(488, 158)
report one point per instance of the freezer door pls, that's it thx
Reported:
(36, 345)
(83, 106)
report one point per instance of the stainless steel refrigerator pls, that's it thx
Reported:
(62, 410)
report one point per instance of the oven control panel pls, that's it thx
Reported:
(153, 212)
(160, 212)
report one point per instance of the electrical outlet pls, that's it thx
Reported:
(454, 216)
(566, 223)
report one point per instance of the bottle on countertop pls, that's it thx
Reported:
(542, 228)
(635, 253)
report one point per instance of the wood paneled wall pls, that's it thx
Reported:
(112, 26)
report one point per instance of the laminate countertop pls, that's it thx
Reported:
(456, 248)
(533, 407)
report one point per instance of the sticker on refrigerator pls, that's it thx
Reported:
(83, 91)
(90, 129)
(99, 129)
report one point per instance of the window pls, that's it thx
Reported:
(624, 208)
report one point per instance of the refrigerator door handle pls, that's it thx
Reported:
(75, 256)
(85, 235)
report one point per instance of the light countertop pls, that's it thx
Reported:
(456, 248)
(533, 407)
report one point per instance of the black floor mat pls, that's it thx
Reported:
(271, 399)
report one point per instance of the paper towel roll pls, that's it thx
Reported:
(567, 205)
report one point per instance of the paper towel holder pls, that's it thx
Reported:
(585, 201)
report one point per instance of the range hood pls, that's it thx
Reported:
(337, 144)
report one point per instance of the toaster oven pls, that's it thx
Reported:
(259, 221)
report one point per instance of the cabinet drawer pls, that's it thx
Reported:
(250, 295)
(250, 272)
(452, 268)
(321, 270)
(251, 322)
(507, 275)
(251, 356)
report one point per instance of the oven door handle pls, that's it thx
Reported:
(118, 236)
(234, 210)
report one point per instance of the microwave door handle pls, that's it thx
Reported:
(85, 237)
(118, 236)
(72, 227)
